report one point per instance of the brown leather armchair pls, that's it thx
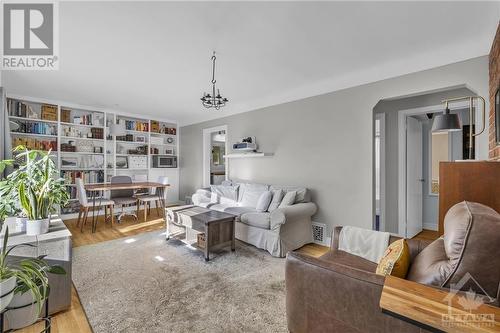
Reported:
(340, 292)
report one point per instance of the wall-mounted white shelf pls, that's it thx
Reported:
(34, 134)
(247, 155)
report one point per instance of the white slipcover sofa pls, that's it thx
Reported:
(280, 227)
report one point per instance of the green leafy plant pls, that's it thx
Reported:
(34, 185)
(31, 273)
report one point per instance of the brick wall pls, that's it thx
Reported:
(494, 85)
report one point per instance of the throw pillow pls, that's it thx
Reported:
(225, 194)
(275, 202)
(214, 198)
(396, 260)
(288, 199)
(264, 201)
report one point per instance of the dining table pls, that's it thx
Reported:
(97, 193)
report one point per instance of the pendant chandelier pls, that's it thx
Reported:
(215, 100)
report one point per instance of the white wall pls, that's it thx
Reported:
(324, 142)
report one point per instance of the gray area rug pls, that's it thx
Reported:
(146, 284)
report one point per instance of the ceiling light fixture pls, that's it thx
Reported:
(215, 100)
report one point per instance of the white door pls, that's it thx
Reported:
(414, 178)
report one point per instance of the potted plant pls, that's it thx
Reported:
(31, 291)
(36, 187)
(7, 276)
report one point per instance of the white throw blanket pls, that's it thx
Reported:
(364, 243)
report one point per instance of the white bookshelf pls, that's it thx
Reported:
(66, 131)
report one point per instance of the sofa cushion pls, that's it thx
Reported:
(303, 194)
(471, 237)
(249, 194)
(288, 199)
(264, 201)
(220, 207)
(225, 194)
(206, 204)
(276, 200)
(239, 210)
(258, 220)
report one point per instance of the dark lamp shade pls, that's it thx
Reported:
(446, 122)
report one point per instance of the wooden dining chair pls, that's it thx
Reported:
(147, 199)
(85, 205)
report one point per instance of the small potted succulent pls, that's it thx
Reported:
(35, 186)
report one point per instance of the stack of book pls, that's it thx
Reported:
(87, 176)
(36, 128)
(133, 125)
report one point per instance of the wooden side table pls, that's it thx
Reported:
(437, 310)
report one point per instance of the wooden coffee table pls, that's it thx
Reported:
(218, 227)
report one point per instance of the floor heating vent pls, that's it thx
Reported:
(319, 233)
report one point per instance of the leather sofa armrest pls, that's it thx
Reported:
(294, 212)
(324, 296)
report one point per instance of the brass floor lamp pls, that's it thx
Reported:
(447, 121)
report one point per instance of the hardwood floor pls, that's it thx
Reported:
(74, 319)
(427, 235)
(104, 232)
(313, 250)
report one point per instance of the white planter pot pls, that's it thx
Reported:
(21, 224)
(23, 311)
(7, 291)
(11, 223)
(37, 227)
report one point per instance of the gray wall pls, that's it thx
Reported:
(391, 108)
(323, 142)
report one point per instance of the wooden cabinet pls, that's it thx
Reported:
(472, 181)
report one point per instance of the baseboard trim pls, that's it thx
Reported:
(430, 226)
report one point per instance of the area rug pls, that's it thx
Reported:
(147, 284)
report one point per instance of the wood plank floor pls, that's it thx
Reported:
(74, 319)
(427, 235)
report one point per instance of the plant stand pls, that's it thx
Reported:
(46, 318)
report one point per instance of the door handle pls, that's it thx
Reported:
(421, 180)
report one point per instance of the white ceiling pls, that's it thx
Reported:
(154, 58)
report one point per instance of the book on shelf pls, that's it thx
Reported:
(88, 176)
(32, 143)
(19, 109)
(134, 125)
(29, 127)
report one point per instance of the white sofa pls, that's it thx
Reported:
(278, 229)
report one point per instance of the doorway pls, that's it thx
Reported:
(420, 152)
(215, 167)
(379, 169)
